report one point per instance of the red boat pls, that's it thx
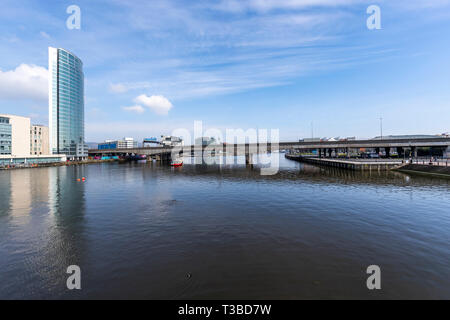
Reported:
(177, 163)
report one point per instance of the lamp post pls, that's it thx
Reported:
(381, 127)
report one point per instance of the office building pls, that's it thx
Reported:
(66, 104)
(39, 140)
(15, 133)
(171, 141)
(17, 146)
(5, 136)
(125, 143)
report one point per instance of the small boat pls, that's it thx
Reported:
(176, 163)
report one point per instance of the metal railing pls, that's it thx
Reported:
(442, 162)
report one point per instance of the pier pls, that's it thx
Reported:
(351, 164)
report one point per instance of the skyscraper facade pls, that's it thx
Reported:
(66, 104)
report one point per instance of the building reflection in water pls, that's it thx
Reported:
(21, 194)
(43, 217)
(5, 194)
(66, 204)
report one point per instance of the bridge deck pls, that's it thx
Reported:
(239, 149)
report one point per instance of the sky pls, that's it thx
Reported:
(305, 67)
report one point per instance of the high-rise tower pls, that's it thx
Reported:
(66, 104)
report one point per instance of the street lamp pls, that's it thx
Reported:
(381, 128)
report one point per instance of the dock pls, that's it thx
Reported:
(351, 164)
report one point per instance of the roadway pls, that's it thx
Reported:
(253, 148)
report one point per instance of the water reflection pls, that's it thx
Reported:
(137, 229)
(46, 214)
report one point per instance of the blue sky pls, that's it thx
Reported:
(155, 66)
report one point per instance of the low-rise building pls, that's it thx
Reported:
(125, 143)
(39, 140)
(171, 141)
(5, 136)
(18, 130)
(18, 140)
(151, 143)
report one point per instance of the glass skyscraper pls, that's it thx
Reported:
(66, 104)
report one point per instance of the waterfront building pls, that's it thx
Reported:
(151, 143)
(17, 142)
(107, 145)
(26, 160)
(171, 141)
(66, 104)
(5, 136)
(39, 140)
(14, 135)
(125, 143)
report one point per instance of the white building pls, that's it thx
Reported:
(171, 141)
(19, 134)
(16, 142)
(39, 140)
(127, 143)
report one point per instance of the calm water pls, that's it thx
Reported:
(155, 232)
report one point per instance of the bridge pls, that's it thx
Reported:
(325, 148)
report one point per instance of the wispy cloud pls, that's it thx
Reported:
(45, 35)
(118, 88)
(185, 51)
(267, 5)
(137, 109)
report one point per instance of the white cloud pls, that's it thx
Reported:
(267, 5)
(117, 88)
(158, 104)
(136, 109)
(23, 83)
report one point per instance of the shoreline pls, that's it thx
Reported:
(426, 170)
(58, 164)
(420, 169)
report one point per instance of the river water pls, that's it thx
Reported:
(149, 231)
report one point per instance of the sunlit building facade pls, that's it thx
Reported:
(39, 140)
(14, 135)
(66, 104)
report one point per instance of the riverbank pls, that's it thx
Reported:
(429, 170)
(350, 164)
(55, 164)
